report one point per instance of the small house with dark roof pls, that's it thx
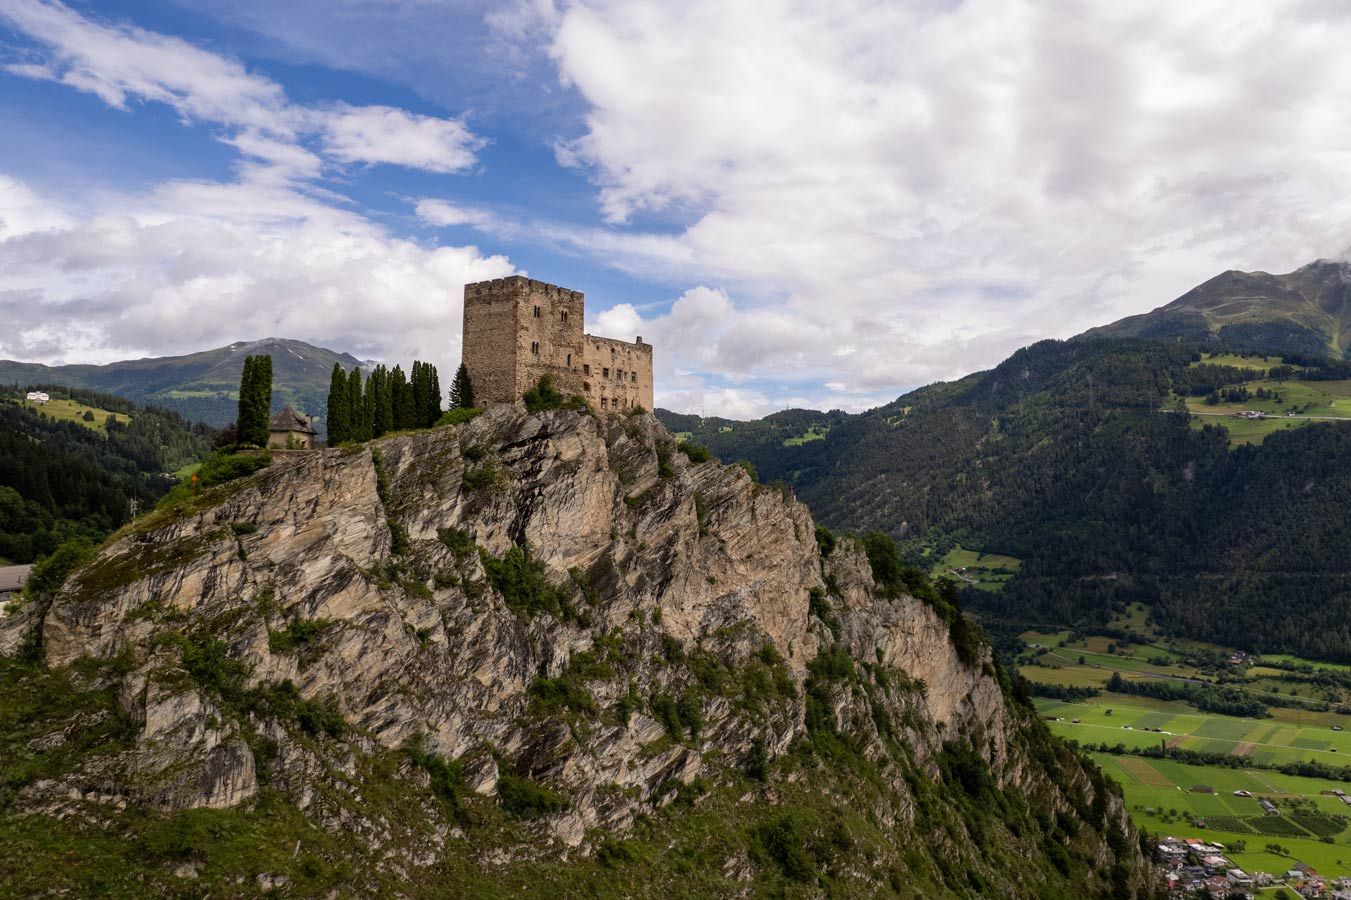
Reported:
(289, 430)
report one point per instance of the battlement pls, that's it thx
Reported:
(518, 285)
(517, 329)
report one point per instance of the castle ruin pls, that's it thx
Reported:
(517, 330)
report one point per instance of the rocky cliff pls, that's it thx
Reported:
(526, 650)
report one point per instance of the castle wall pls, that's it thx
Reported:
(617, 374)
(517, 330)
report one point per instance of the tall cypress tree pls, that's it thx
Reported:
(244, 419)
(403, 413)
(339, 428)
(377, 401)
(356, 407)
(386, 402)
(263, 397)
(462, 389)
(255, 400)
(433, 394)
(419, 383)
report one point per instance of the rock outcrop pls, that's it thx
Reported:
(555, 637)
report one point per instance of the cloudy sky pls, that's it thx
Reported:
(801, 204)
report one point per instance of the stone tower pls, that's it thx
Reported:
(517, 330)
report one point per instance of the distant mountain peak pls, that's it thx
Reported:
(1305, 312)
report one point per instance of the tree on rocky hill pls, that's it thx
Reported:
(255, 400)
(338, 421)
(462, 389)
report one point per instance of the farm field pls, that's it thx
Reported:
(1267, 741)
(1159, 798)
(73, 411)
(986, 571)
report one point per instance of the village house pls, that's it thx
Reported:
(289, 430)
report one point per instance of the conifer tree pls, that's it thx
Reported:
(339, 427)
(462, 389)
(403, 412)
(433, 394)
(419, 383)
(356, 408)
(386, 404)
(255, 400)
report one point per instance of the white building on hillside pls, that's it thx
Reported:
(37, 397)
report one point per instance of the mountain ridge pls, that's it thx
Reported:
(1305, 312)
(202, 386)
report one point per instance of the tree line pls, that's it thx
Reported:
(388, 400)
(62, 481)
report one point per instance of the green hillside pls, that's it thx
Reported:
(65, 476)
(199, 386)
(1305, 312)
(1080, 460)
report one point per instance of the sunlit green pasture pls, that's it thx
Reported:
(986, 571)
(74, 411)
(1263, 363)
(1159, 799)
(1269, 741)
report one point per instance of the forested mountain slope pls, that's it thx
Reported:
(204, 386)
(1070, 457)
(61, 480)
(540, 654)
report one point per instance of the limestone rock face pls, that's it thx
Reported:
(388, 587)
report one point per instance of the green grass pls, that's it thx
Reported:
(1148, 804)
(814, 433)
(1264, 740)
(73, 411)
(1326, 399)
(986, 571)
(1264, 363)
(187, 471)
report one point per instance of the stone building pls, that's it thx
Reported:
(517, 330)
(289, 430)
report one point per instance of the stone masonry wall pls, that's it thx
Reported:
(617, 375)
(517, 330)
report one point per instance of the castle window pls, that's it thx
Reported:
(633, 376)
(569, 360)
(565, 317)
(534, 347)
(586, 386)
(586, 368)
(603, 402)
(536, 312)
(605, 373)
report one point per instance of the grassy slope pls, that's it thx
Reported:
(73, 411)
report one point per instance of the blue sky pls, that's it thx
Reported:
(799, 204)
